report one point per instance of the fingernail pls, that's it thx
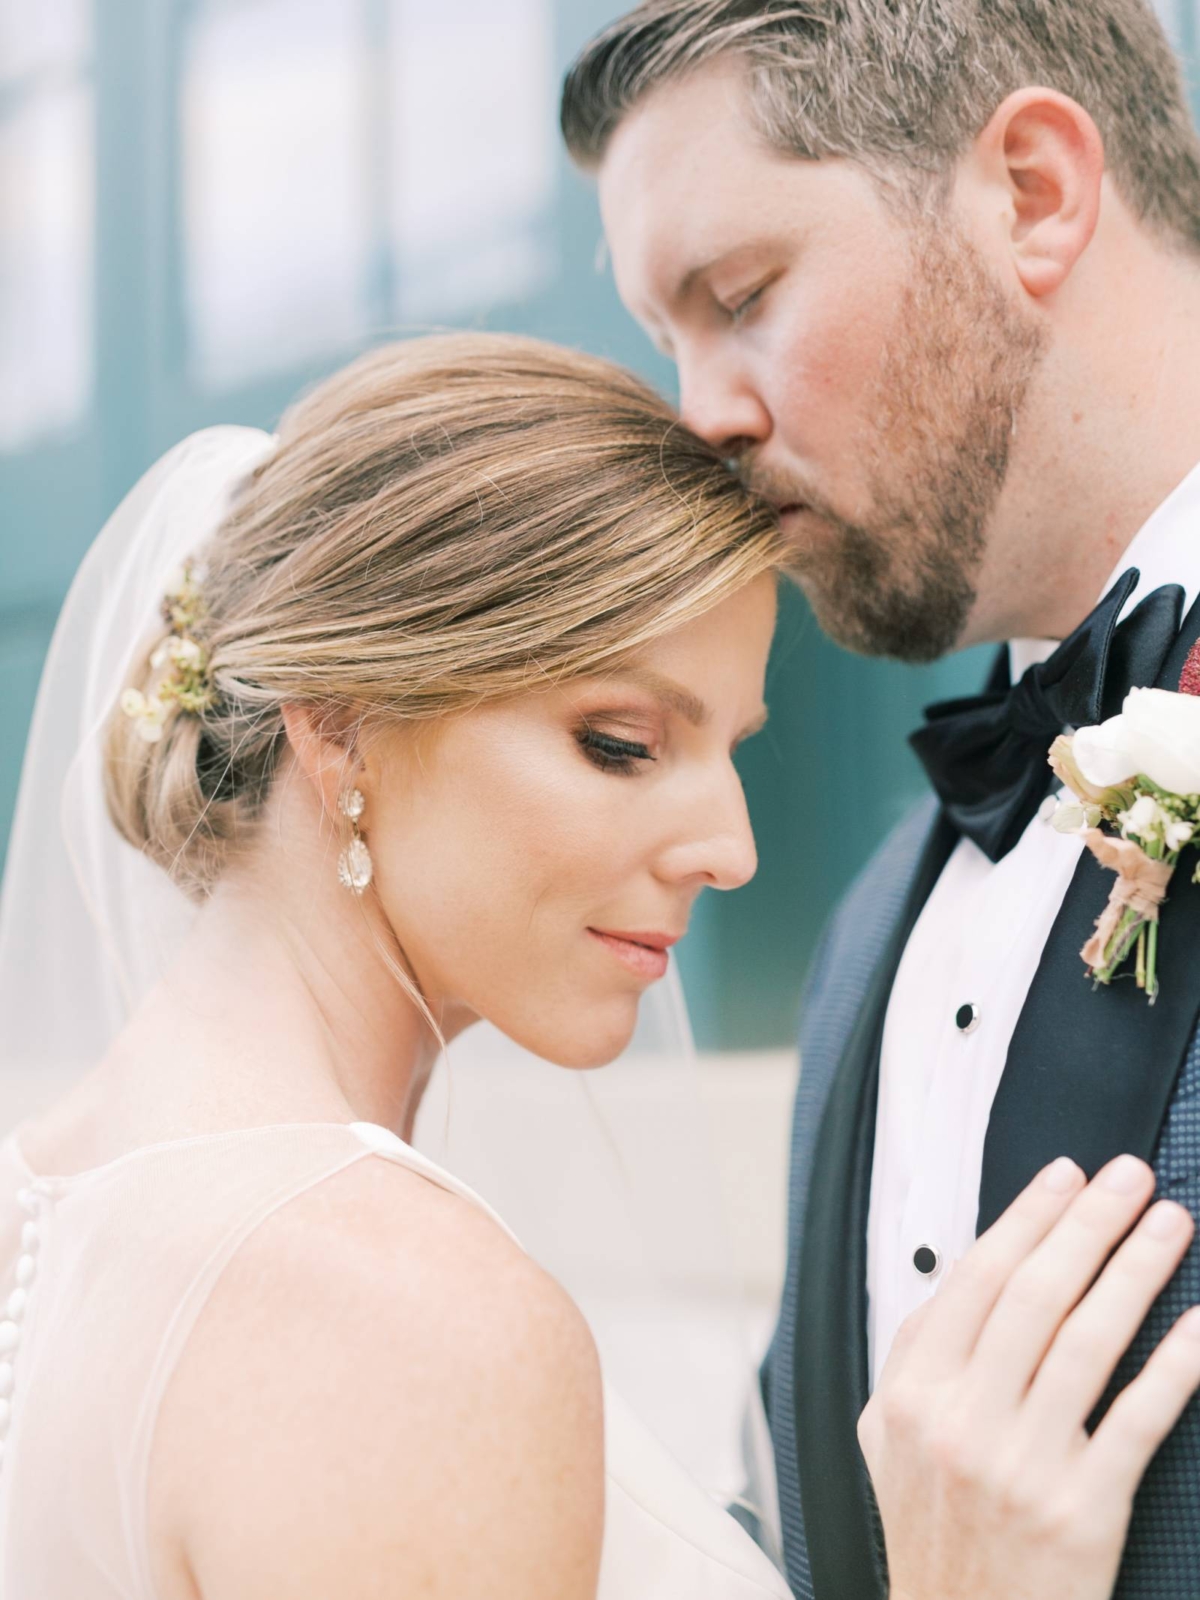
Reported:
(1061, 1175)
(1190, 1324)
(1124, 1175)
(1164, 1220)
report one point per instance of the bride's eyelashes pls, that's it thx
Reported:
(610, 754)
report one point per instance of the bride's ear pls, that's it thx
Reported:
(324, 748)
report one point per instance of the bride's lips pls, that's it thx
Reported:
(645, 954)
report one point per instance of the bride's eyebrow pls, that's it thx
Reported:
(672, 694)
(677, 698)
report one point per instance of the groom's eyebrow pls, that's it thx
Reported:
(750, 248)
(692, 276)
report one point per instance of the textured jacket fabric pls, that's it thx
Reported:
(1163, 1555)
(837, 987)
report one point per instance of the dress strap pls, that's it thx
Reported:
(382, 1141)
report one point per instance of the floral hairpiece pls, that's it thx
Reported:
(186, 684)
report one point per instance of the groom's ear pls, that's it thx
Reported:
(1042, 156)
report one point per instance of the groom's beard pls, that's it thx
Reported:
(902, 579)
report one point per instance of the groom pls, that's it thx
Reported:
(930, 269)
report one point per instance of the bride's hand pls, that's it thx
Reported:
(988, 1483)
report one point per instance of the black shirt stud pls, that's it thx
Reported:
(966, 1018)
(926, 1260)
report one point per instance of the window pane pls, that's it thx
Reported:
(37, 34)
(276, 224)
(46, 207)
(474, 152)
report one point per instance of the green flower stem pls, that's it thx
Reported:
(1121, 944)
(1134, 929)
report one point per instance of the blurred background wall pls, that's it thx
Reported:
(207, 204)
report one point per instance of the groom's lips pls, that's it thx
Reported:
(645, 954)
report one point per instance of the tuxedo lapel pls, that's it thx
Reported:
(845, 1544)
(1090, 1071)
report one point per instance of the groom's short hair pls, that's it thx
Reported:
(903, 87)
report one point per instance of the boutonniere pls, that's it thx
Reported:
(1134, 785)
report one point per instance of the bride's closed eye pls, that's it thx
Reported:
(610, 754)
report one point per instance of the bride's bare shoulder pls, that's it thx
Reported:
(382, 1381)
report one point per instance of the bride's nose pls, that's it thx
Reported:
(713, 842)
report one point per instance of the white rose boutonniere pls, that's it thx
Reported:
(1136, 786)
(1157, 735)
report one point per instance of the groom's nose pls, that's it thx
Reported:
(717, 401)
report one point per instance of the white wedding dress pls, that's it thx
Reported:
(105, 1273)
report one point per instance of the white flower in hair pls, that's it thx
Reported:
(148, 713)
(182, 652)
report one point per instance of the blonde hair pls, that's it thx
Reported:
(904, 86)
(447, 521)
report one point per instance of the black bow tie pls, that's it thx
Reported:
(986, 756)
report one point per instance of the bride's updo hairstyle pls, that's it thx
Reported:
(446, 521)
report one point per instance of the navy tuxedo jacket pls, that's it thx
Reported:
(1090, 1073)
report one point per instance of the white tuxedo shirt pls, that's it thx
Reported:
(977, 943)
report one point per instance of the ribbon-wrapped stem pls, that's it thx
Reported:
(1131, 916)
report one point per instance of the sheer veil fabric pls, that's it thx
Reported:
(611, 1179)
(87, 924)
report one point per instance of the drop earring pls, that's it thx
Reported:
(355, 867)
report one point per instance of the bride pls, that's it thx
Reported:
(422, 712)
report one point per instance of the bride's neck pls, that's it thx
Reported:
(284, 1004)
(298, 983)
